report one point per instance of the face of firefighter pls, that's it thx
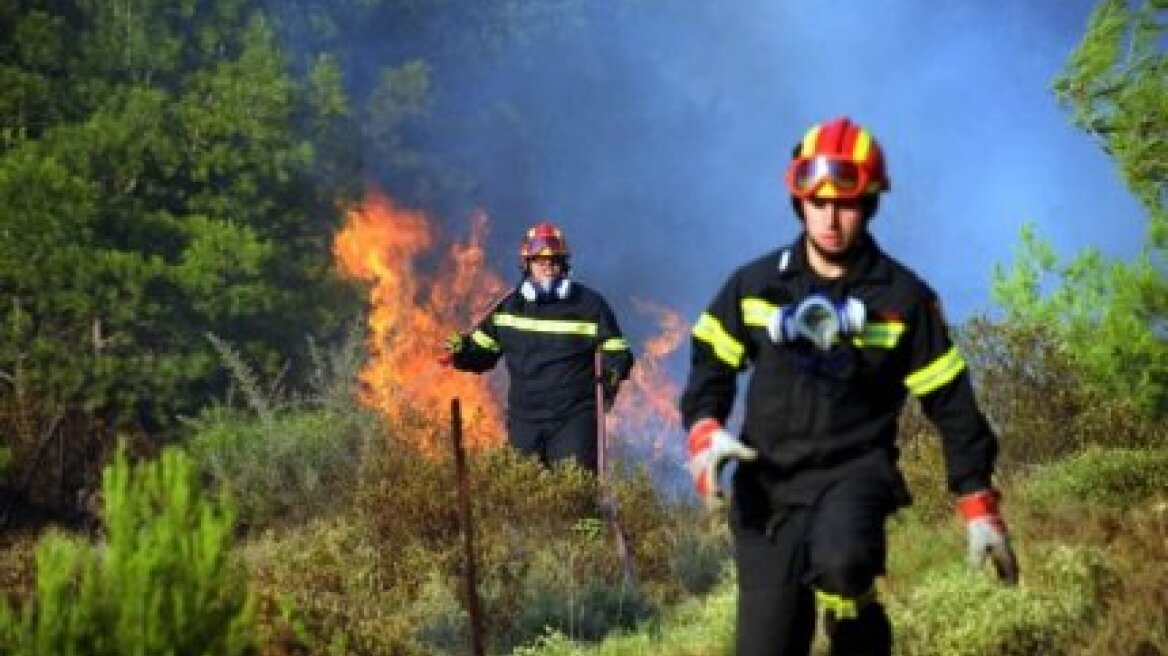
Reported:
(834, 227)
(543, 270)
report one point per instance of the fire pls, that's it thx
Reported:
(411, 313)
(647, 405)
(410, 316)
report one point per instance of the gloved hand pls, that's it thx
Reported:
(710, 447)
(987, 534)
(817, 319)
(453, 346)
(611, 382)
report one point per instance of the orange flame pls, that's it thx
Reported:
(411, 315)
(647, 405)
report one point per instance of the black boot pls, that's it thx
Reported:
(869, 634)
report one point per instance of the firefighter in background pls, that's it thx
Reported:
(548, 330)
(838, 334)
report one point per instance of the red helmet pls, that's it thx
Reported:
(544, 239)
(837, 159)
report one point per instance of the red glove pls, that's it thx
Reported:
(987, 534)
(710, 447)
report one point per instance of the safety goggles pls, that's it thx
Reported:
(544, 246)
(557, 260)
(826, 177)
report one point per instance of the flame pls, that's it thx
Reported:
(410, 315)
(647, 404)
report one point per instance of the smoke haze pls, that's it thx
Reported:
(657, 136)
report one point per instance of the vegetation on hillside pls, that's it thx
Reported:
(171, 178)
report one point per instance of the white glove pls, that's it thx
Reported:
(817, 319)
(710, 448)
(987, 534)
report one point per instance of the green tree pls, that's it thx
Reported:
(163, 176)
(1112, 316)
(163, 582)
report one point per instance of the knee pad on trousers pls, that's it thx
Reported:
(844, 607)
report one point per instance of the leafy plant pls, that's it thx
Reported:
(163, 581)
(1108, 477)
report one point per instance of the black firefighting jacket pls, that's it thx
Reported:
(549, 346)
(806, 409)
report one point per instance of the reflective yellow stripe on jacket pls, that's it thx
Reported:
(880, 334)
(936, 374)
(710, 330)
(555, 326)
(484, 340)
(757, 312)
(615, 344)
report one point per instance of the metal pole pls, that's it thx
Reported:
(607, 499)
(471, 573)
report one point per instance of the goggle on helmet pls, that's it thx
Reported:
(544, 239)
(837, 160)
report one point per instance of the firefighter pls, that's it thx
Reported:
(838, 335)
(548, 330)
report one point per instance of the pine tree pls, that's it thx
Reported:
(1111, 315)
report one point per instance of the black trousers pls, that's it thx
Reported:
(553, 440)
(832, 541)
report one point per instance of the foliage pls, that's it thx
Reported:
(388, 577)
(1102, 316)
(157, 176)
(958, 612)
(163, 581)
(298, 465)
(1109, 477)
(1112, 316)
(1037, 395)
(1114, 83)
(290, 457)
(698, 559)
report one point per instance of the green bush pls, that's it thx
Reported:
(332, 574)
(387, 575)
(162, 581)
(1107, 477)
(1037, 395)
(286, 458)
(556, 596)
(959, 612)
(699, 560)
(294, 465)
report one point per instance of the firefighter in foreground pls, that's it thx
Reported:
(838, 334)
(548, 330)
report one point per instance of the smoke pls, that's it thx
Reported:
(655, 133)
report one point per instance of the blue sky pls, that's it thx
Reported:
(667, 173)
(658, 141)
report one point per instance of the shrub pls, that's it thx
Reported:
(387, 575)
(162, 582)
(285, 458)
(1036, 394)
(555, 596)
(291, 466)
(698, 560)
(326, 583)
(959, 612)
(1107, 477)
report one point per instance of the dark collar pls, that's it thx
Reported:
(868, 264)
